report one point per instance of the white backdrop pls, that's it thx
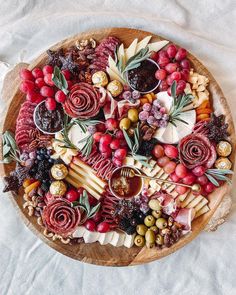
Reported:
(206, 266)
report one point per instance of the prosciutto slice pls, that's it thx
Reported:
(195, 150)
(185, 217)
(168, 203)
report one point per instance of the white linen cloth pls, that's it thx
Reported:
(206, 266)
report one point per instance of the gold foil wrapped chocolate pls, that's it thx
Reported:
(100, 79)
(223, 163)
(57, 188)
(115, 88)
(59, 171)
(224, 148)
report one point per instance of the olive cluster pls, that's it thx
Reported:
(158, 229)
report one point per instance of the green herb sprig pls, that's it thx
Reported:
(134, 146)
(83, 203)
(135, 61)
(218, 174)
(10, 149)
(59, 80)
(85, 123)
(179, 103)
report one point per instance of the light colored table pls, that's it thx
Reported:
(207, 265)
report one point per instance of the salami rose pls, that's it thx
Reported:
(195, 150)
(60, 218)
(83, 101)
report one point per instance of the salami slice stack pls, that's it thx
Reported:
(196, 150)
(83, 101)
(60, 218)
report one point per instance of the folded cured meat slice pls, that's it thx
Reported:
(195, 150)
(83, 101)
(60, 218)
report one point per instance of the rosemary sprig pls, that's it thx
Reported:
(218, 174)
(87, 148)
(59, 80)
(66, 141)
(134, 146)
(10, 149)
(135, 61)
(179, 103)
(84, 204)
(85, 123)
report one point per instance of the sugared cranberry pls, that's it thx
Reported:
(46, 91)
(48, 80)
(39, 82)
(27, 86)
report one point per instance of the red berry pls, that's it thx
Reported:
(97, 136)
(171, 151)
(169, 167)
(117, 162)
(60, 96)
(181, 171)
(111, 124)
(106, 139)
(171, 50)
(120, 154)
(70, 84)
(115, 144)
(90, 225)
(160, 74)
(174, 177)
(31, 96)
(106, 154)
(103, 227)
(119, 134)
(189, 179)
(46, 91)
(101, 127)
(48, 80)
(97, 217)
(154, 55)
(72, 195)
(163, 61)
(163, 161)
(184, 74)
(80, 190)
(181, 54)
(209, 187)
(158, 151)
(181, 189)
(199, 170)
(47, 69)
(26, 86)
(163, 85)
(163, 53)
(185, 64)
(171, 67)
(176, 76)
(202, 180)
(50, 104)
(104, 148)
(92, 200)
(67, 74)
(37, 73)
(180, 87)
(26, 74)
(39, 82)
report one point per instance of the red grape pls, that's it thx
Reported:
(174, 177)
(48, 80)
(103, 227)
(106, 139)
(47, 69)
(50, 104)
(26, 74)
(209, 187)
(158, 151)
(181, 54)
(176, 76)
(170, 167)
(171, 67)
(104, 148)
(101, 127)
(60, 96)
(171, 50)
(111, 124)
(163, 86)
(97, 136)
(72, 195)
(181, 171)
(180, 86)
(117, 162)
(185, 64)
(46, 91)
(184, 74)
(106, 154)
(119, 134)
(39, 82)
(169, 80)
(163, 161)
(154, 55)
(26, 86)
(163, 61)
(120, 154)
(90, 225)
(115, 144)
(189, 179)
(181, 189)
(160, 74)
(66, 73)
(163, 53)
(171, 151)
(37, 73)
(199, 170)
(202, 180)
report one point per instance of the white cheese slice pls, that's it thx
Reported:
(201, 204)
(76, 134)
(143, 43)
(105, 238)
(117, 239)
(90, 236)
(114, 76)
(129, 161)
(131, 50)
(121, 55)
(170, 134)
(156, 46)
(112, 65)
(129, 240)
(195, 202)
(203, 210)
(79, 232)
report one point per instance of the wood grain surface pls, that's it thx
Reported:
(95, 253)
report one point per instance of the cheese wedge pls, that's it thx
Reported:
(131, 50)
(79, 232)
(143, 43)
(156, 46)
(114, 76)
(203, 210)
(90, 236)
(105, 238)
(129, 240)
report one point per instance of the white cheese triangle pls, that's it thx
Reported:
(130, 51)
(79, 232)
(143, 43)
(114, 76)
(90, 236)
(156, 46)
(105, 238)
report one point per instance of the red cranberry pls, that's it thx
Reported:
(90, 225)
(26, 74)
(72, 195)
(47, 69)
(60, 96)
(50, 104)
(103, 227)
(37, 73)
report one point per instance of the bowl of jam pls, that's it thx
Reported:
(125, 187)
(143, 77)
(48, 122)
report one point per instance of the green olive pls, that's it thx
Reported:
(150, 245)
(159, 240)
(125, 123)
(149, 220)
(139, 241)
(133, 115)
(154, 204)
(141, 229)
(155, 229)
(150, 236)
(156, 214)
(161, 223)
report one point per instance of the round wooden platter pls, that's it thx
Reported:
(109, 255)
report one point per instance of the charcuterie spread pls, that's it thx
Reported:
(117, 144)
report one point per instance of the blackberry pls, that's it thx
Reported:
(130, 230)
(124, 223)
(217, 128)
(134, 221)
(146, 147)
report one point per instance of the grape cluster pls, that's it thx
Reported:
(174, 66)
(131, 96)
(155, 114)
